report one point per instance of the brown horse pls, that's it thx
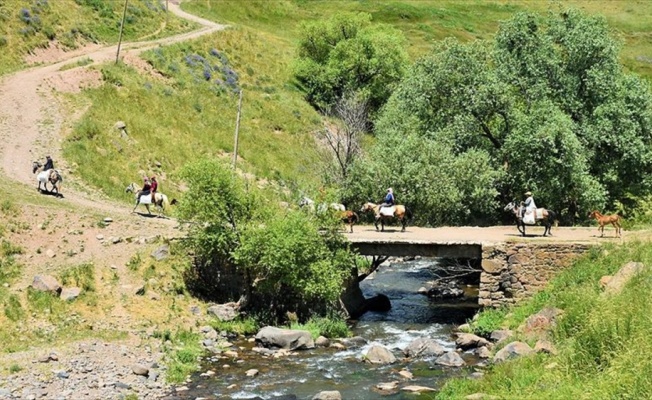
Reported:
(613, 219)
(401, 212)
(349, 218)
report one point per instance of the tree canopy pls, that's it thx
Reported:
(349, 54)
(545, 107)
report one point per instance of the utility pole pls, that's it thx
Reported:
(122, 25)
(237, 129)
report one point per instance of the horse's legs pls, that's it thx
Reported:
(403, 223)
(148, 210)
(376, 223)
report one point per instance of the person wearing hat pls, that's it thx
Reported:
(388, 201)
(529, 205)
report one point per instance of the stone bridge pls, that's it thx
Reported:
(513, 267)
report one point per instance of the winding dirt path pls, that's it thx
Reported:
(31, 121)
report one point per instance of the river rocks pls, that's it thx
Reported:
(353, 342)
(289, 339)
(541, 323)
(468, 341)
(224, 312)
(379, 355)
(423, 347)
(483, 352)
(46, 283)
(251, 372)
(513, 350)
(450, 359)
(69, 294)
(446, 291)
(328, 395)
(404, 373)
(417, 389)
(387, 386)
(501, 335)
(322, 342)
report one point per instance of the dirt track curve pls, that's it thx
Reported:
(31, 122)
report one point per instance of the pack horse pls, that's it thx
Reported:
(52, 176)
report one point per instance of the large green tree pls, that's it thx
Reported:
(545, 107)
(245, 248)
(348, 54)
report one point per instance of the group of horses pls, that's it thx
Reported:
(544, 216)
(350, 217)
(548, 217)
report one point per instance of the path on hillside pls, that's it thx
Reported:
(31, 122)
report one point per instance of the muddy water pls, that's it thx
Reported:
(309, 372)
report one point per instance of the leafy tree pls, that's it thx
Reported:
(245, 249)
(547, 106)
(347, 54)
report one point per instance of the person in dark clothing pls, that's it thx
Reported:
(49, 164)
(147, 187)
(388, 201)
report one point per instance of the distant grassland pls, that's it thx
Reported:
(190, 110)
(426, 21)
(26, 25)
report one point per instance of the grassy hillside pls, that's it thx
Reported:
(425, 21)
(602, 340)
(189, 111)
(26, 25)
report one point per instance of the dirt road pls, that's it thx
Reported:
(31, 121)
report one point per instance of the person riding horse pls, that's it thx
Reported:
(147, 187)
(154, 187)
(49, 166)
(529, 205)
(388, 202)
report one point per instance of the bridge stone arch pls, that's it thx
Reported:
(511, 270)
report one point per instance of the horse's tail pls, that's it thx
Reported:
(408, 213)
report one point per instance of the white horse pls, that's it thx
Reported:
(51, 175)
(307, 202)
(160, 200)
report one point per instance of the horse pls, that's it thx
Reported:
(160, 200)
(613, 219)
(347, 216)
(548, 217)
(401, 212)
(52, 175)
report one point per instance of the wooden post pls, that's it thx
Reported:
(237, 129)
(122, 25)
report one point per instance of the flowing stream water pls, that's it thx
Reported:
(305, 374)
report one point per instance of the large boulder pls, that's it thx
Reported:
(542, 323)
(224, 312)
(288, 339)
(46, 283)
(450, 359)
(468, 341)
(379, 355)
(501, 335)
(624, 275)
(423, 347)
(513, 350)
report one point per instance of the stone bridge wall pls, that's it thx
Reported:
(513, 271)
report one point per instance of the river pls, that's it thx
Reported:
(412, 316)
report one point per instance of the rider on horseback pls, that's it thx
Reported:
(388, 202)
(49, 165)
(147, 186)
(154, 186)
(529, 205)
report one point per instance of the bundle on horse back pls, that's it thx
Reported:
(545, 216)
(613, 219)
(401, 212)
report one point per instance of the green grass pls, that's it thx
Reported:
(182, 356)
(82, 276)
(426, 21)
(26, 25)
(244, 326)
(184, 116)
(328, 327)
(601, 339)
